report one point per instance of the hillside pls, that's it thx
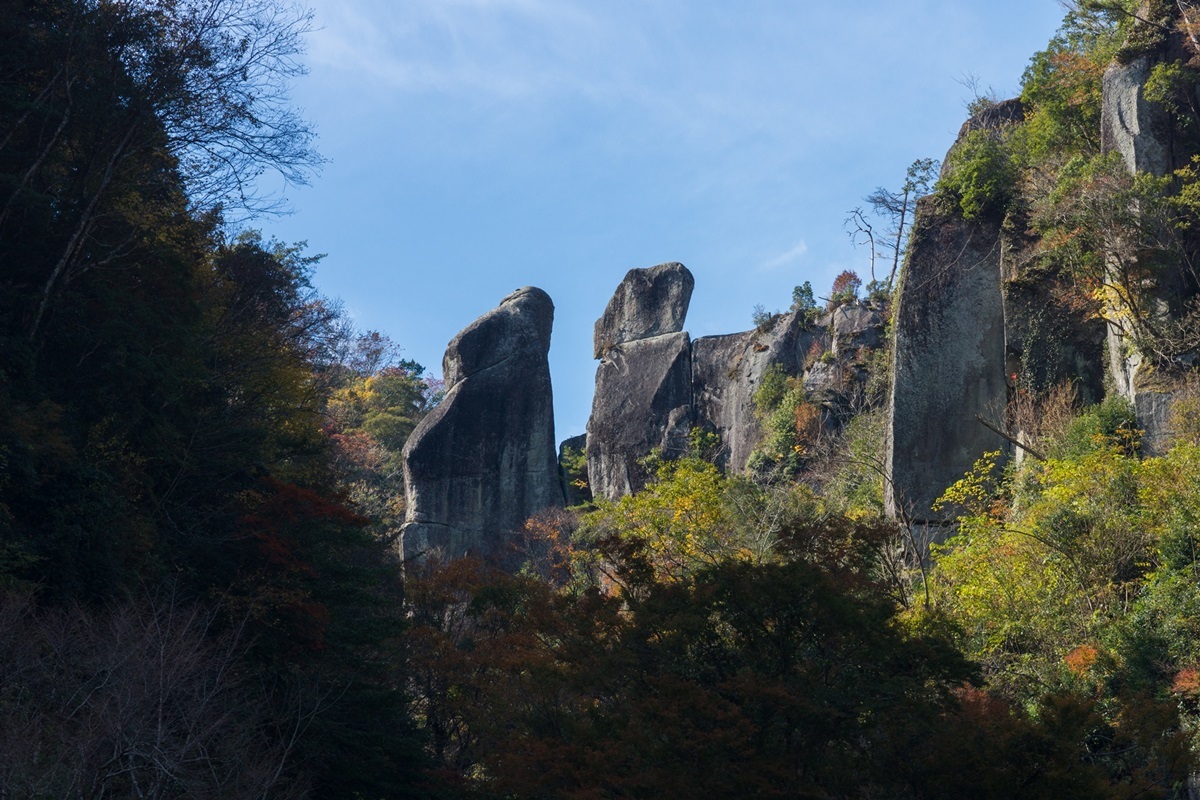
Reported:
(931, 537)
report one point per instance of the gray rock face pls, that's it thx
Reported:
(648, 302)
(483, 461)
(854, 326)
(823, 383)
(726, 372)
(1130, 125)
(1142, 133)
(948, 361)
(1154, 414)
(643, 401)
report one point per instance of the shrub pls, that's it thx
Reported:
(981, 177)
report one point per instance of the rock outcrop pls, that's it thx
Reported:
(652, 390)
(643, 398)
(1129, 124)
(648, 302)
(1142, 133)
(483, 461)
(643, 402)
(948, 359)
(727, 371)
(854, 327)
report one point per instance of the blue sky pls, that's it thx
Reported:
(476, 146)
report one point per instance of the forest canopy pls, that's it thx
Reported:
(201, 490)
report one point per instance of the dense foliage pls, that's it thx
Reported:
(174, 509)
(200, 489)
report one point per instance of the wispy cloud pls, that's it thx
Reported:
(499, 48)
(637, 66)
(795, 253)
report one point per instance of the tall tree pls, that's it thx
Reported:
(896, 208)
(106, 95)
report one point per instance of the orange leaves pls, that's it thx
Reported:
(1081, 659)
(1187, 682)
(1077, 76)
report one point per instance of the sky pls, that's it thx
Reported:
(477, 146)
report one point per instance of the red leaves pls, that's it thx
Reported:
(288, 526)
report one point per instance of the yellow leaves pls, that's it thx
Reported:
(681, 517)
(976, 490)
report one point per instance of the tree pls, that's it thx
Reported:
(896, 208)
(144, 698)
(844, 289)
(109, 101)
(1131, 241)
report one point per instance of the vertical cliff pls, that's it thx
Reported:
(643, 397)
(948, 359)
(727, 371)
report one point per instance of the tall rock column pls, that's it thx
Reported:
(643, 398)
(483, 461)
(948, 359)
(1142, 133)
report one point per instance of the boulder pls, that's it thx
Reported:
(643, 401)
(483, 461)
(648, 302)
(727, 371)
(948, 360)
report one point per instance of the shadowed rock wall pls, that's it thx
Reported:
(948, 361)
(643, 402)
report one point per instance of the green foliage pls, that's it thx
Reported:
(573, 470)
(679, 519)
(704, 444)
(1084, 582)
(856, 486)
(1172, 85)
(771, 390)
(804, 303)
(790, 677)
(164, 383)
(1112, 423)
(1061, 87)
(791, 426)
(981, 175)
(1145, 26)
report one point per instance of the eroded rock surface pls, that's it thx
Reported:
(1129, 124)
(643, 401)
(948, 361)
(727, 371)
(855, 326)
(484, 460)
(648, 302)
